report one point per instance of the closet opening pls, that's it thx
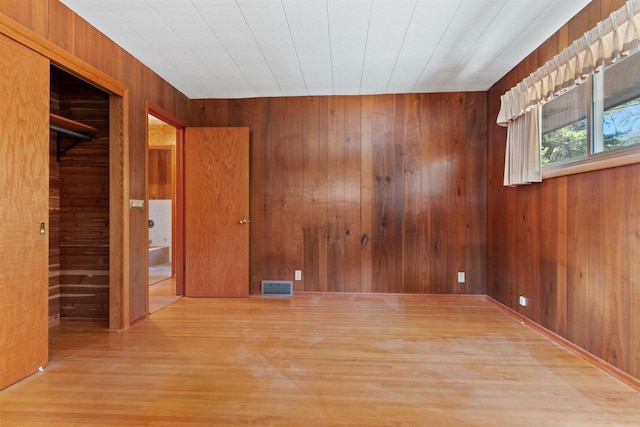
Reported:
(79, 200)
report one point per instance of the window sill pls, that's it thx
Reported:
(594, 162)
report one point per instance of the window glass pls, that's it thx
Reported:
(564, 126)
(621, 117)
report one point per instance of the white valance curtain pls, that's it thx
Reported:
(611, 39)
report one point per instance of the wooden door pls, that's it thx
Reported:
(216, 210)
(24, 205)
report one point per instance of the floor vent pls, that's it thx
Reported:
(277, 288)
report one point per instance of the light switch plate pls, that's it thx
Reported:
(134, 203)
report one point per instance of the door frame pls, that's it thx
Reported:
(119, 228)
(178, 209)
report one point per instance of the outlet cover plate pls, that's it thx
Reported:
(298, 274)
(460, 276)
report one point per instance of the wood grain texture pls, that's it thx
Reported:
(352, 185)
(30, 13)
(84, 201)
(108, 66)
(315, 192)
(24, 211)
(476, 190)
(372, 193)
(377, 360)
(383, 238)
(335, 186)
(571, 243)
(75, 46)
(119, 298)
(161, 171)
(54, 212)
(161, 134)
(72, 125)
(216, 200)
(632, 241)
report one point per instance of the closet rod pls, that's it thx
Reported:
(70, 132)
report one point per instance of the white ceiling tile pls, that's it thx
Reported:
(309, 25)
(269, 27)
(157, 4)
(482, 52)
(144, 21)
(468, 24)
(387, 29)
(183, 19)
(214, 57)
(348, 27)
(107, 22)
(253, 48)
(230, 27)
(319, 86)
(165, 43)
(155, 60)
(429, 21)
(82, 6)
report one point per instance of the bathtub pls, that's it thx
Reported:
(159, 255)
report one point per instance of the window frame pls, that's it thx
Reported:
(594, 159)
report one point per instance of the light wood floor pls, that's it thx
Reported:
(162, 294)
(318, 361)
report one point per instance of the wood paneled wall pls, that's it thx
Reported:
(364, 194)
(54, 233)
(53, 20)
(570, 244)
(161, 134)
(160, 183)
(83, 233)
(160, 167)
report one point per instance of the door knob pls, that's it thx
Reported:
(245, 221)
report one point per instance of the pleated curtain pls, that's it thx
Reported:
(610, 40)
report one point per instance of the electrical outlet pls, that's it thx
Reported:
(298, 274)
(523, 301)
(460, 276)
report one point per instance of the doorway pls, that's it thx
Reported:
(163, 209)
(79, 200)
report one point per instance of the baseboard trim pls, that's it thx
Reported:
(604, 366)
(138, 320)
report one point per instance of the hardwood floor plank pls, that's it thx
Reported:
(318, 360)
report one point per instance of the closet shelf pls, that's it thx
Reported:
(70, 127)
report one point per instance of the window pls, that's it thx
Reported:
(621, 107)
(599, 116)
(564, 126)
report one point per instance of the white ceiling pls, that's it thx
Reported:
(261, 48)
